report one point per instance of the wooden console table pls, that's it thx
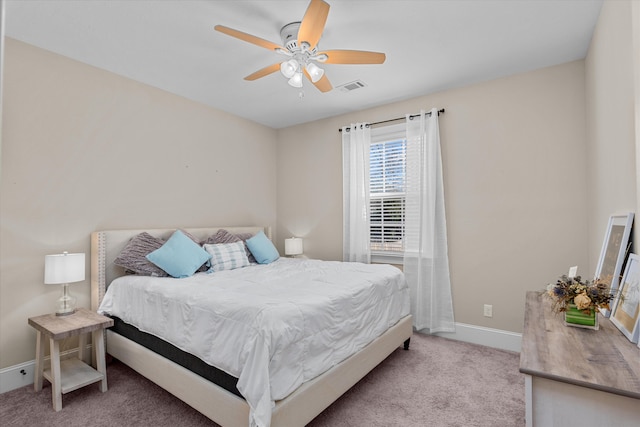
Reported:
(575, 376)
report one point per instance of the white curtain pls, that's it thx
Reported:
(426, 262)
(356, 140)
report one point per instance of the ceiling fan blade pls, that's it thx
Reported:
(313, 22)
(263, 72)
(352, 57)
(247, 37)
(323, 85)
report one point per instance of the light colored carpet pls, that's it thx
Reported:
(437, 383)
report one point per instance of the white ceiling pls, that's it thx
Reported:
(430, 45)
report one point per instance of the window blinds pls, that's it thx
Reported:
(387, 195)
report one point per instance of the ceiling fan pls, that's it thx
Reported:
(300, 40)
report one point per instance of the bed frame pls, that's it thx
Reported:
(218, 404)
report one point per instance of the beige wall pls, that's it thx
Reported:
(84, 149)
(610, 109)
(515, 186)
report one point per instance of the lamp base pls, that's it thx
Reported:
(66, 303)
(65, 313)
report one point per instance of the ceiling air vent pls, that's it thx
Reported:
(352, 86)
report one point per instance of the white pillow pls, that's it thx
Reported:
(227, 256)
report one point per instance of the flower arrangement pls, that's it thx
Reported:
(584, 294)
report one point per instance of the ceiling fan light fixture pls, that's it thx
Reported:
(314, 71)
(289, 68)
(300, 46)
(296, 80)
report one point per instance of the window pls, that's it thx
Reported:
(387, 169)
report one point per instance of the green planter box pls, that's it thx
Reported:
(578, 318)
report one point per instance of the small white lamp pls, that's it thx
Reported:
(293, 246)
(62, 269)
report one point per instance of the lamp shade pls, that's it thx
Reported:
(293, 246)
(63, 268)
(296, 80)
(314, 71)
(289, 68)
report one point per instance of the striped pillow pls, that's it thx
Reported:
(223, 236)
(227, 256)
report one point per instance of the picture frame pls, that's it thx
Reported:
(613, 252)
(625, 312)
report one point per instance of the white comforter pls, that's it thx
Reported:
(272, 326)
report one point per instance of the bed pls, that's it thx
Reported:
(222, 402)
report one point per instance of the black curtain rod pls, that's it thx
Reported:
(441, 111)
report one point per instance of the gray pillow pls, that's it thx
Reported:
(222, 236)
(133, 256)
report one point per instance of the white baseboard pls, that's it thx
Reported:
(496, 338)
(17, 376)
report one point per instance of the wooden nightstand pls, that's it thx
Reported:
(70, 374)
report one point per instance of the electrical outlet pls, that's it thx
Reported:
(488, 310)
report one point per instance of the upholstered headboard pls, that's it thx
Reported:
(106, 245)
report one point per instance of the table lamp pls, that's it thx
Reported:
(293, 246)
(62, 269)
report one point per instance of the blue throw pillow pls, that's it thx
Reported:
(179, 256)
(262, 248)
